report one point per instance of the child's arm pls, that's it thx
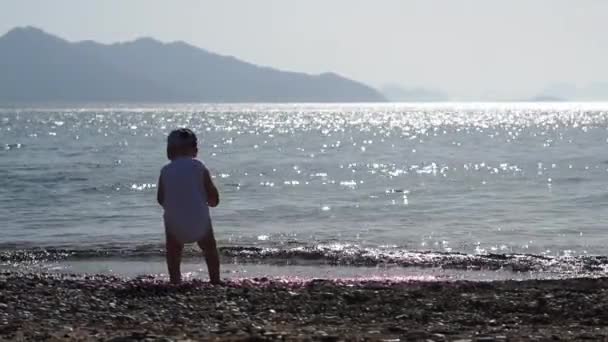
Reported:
(160, 194)
(213, 196)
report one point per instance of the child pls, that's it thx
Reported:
(186, 191)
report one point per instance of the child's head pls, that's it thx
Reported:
(182, 143)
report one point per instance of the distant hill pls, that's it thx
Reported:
(397, 93)
(545, 98)
(560, 90)
(595, 91)
(36, 66)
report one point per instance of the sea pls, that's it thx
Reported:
(446, 191)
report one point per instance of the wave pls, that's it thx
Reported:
(335, 255)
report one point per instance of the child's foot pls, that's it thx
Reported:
(217, 282)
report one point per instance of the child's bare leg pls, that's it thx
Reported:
(209, 248)
(174, 259)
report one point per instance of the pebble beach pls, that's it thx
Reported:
(38, 306)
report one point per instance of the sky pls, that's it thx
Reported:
(471, 49)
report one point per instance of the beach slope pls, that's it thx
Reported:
(72, 307)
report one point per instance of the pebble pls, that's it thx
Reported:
(439, 337)
(107, 308)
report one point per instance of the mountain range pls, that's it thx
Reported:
(594, 91)
(39, 67)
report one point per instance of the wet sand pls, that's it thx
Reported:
(76, 307)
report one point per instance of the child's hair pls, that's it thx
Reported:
(181, 139)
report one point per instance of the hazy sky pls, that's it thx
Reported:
(469, 48)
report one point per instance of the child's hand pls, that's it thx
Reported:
(213, 196)
(160, 194)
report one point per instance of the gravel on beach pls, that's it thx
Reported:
(78, 307)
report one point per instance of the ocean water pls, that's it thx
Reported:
(522, 187)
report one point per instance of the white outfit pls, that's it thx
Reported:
(185, 200)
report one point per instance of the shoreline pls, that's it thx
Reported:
(95, 307)
(312, 255)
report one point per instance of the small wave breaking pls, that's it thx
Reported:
(349, 256)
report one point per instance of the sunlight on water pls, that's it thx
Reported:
(471, 178)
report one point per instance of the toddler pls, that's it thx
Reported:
(186, 191)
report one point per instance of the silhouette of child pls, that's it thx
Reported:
(186, 191)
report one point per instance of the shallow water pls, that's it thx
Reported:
(191, 269)
(451, 178)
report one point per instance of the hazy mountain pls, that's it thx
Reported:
(397, 93)
(39, 67)
(36, 66)
(559, 91)
(597, 91)
(545, 98)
